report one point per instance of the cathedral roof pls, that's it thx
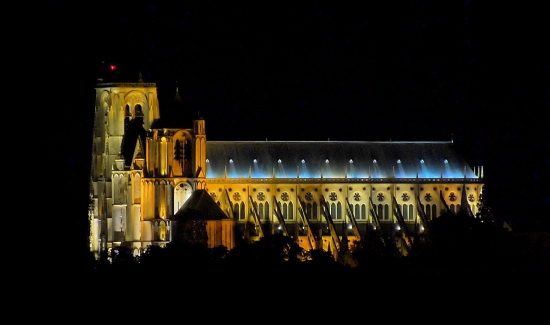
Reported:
(335, 159)
(202, 202)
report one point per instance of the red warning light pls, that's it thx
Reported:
(113, 67)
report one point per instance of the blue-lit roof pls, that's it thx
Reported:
(334, 159)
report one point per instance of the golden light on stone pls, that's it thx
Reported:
(134, 198)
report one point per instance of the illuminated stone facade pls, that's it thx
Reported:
(322, 194)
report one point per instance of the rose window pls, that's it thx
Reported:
(333, 196)
(380, 197)
(357, 196)
(309, 196)
(471, 198)
(260, 196)
(284, 196)
(237, 196)
(214, 195)
(428, 197)
(452, 196)
(405, 197)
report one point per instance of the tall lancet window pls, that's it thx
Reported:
(137, 188)
(163, 157)
(178, 152)
(139, 111)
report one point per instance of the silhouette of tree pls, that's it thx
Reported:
(267, 254)
(321, 257)
(122, 258)
(459, 241)
(219, 253)
(372, 247)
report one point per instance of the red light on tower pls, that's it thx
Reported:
(113, 67)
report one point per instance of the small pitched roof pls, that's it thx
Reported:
(202, 202)
(138, 151)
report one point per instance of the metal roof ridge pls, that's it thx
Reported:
(324, 141)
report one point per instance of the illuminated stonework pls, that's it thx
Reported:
(322, 194)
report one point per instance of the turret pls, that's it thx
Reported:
(199, 158)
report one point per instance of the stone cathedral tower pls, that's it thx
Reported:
(133, 163)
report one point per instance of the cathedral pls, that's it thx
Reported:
(324, 195)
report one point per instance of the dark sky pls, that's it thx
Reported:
(312, 70)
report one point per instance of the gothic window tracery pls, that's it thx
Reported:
(237, 196)
(260, 196)
(239, 210)
(360, 212)
(285, 196)
(311, 210)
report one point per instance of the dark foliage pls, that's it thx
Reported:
(455, 246)
(373, 247)
(468, 244)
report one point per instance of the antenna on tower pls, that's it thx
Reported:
(140, 77)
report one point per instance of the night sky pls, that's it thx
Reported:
(313, 70)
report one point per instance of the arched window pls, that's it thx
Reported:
(315, 210)
(312, 211)
(139, 111)
(137, 188)
(333, 211)
(261, 211)
(358, 214)
(163, 156)
(236, 209)
(428, 212)
(290, 211)
(267, 215)
(242, 212)
(120, 184)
